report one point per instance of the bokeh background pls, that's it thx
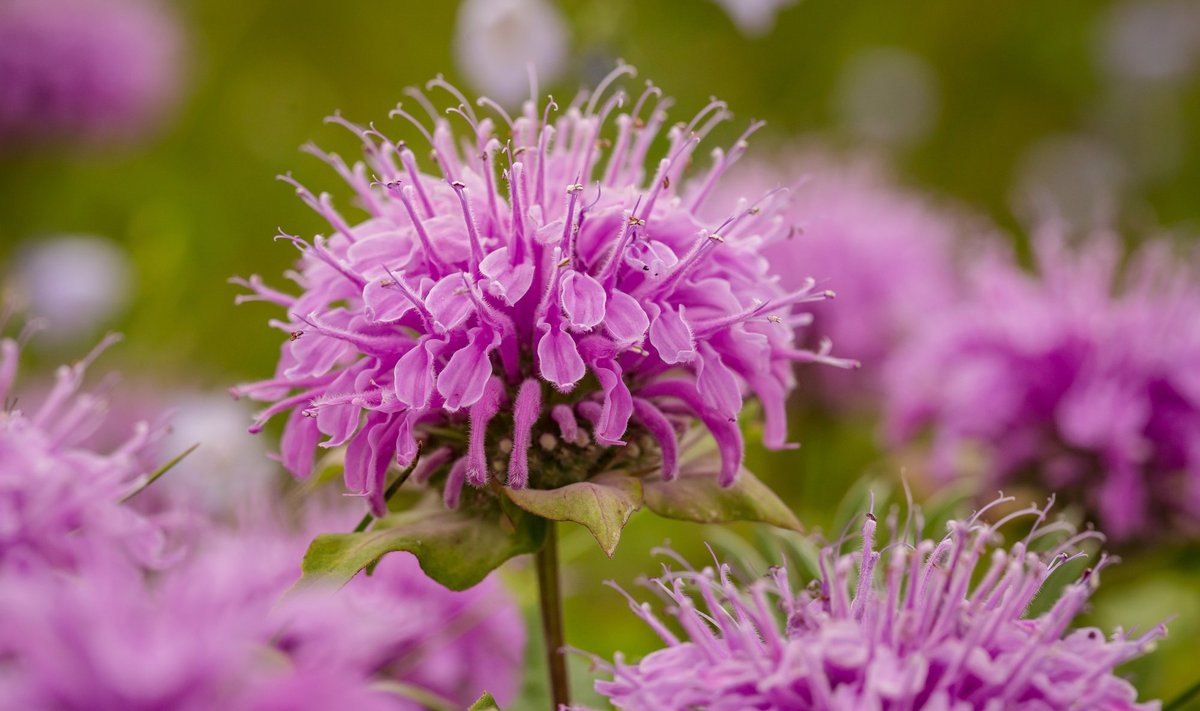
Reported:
(1092, 105)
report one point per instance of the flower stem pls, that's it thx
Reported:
(550, 596)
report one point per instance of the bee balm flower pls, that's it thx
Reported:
(929, 624)
(213, 632)
(887, 252)
(1079, 379)
(90, 70)
(58, 496)
(548, 291)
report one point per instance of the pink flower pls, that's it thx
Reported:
(1078, 379)
(60, 498)
(587, 289)
(917, 624)
(85, 70)
(218, 631)
(888, 253)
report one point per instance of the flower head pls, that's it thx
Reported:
(916, 624)
(213, 632)
(887, 252)
(1087, 376)
(85, 69)
(589, 290)
(58, 496)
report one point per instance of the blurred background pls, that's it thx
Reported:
(1092, 106)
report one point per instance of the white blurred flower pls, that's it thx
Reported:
(229, 467)
(76, 283)
(497, 40)
(1148, 126)
(888, 95)
(1151, 40)
(1077, 179)
(754, 18)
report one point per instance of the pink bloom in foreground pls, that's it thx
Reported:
(918, 624)
(1079, 379)
(217, 632)
(552, 294)
(59, 497)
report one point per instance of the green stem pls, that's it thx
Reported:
(391, 491)
(550, 597)
(1179, 703)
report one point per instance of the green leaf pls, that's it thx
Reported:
(602, 505)
(696, 496)
(485, 703)
(422, 696)
(457, 548)
(154, 476)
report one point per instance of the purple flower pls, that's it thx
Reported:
(887, 253)
(59, 498)
(930, 624)
(1078, 380)
(90, 70)
(588, 289)
(213, 632)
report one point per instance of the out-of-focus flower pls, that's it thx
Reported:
(224, 473)
(1079, 179)
(929, 624)
(591, 290)
(1150, 40)
(888, 96)
(498, 42)
(754, 18)
(85, 70)
(74, 283)
(887, 252)
(228, 467)
(1080, 379)
(58, 497)
(213, 633)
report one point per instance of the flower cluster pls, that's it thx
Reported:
(85, 69)
(213, 632)
(916, 624)
(887, 252)
(1079, 380)
(588, 290)
(59, 498)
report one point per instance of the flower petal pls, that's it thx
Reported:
(558, 358)
(414, 373)
(670, 335)
(717, 385)
(625, 320)
(618, 403)
(661, 429)
(462, 381)
(298, 445)
(384, 302)
(582, 300)
(449, 302)
(506, 281)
